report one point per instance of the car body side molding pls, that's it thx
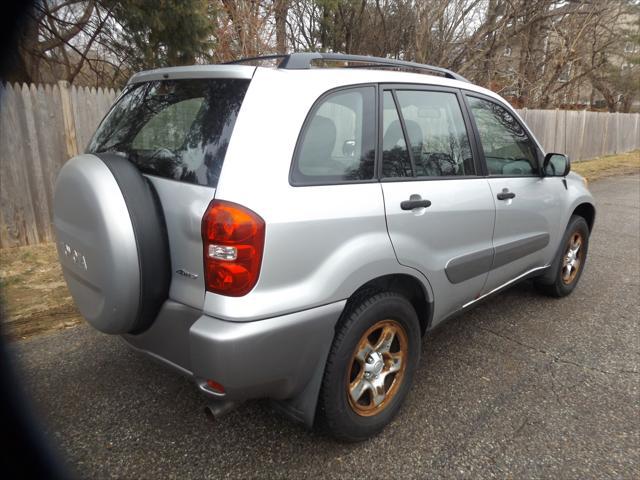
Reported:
(465, 267)
(512, 251)
(470, 265)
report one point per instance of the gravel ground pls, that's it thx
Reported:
(522, 386)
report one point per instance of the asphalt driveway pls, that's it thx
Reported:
(522, 386)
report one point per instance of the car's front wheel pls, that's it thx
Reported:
(569, 263)
(370, 367)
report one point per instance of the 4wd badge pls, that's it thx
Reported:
(187, 274)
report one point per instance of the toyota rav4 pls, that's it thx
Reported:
(292, 231)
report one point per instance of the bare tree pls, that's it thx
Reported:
(280, 10)
(48, 36)
(538, 53)
(245, 29)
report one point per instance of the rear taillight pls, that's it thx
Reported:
(233, 240)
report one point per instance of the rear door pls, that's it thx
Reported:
(440, 212)
(176, 130)
(527, 205)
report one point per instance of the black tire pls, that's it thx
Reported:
(556, 283)
(147, 219)
(335, 410)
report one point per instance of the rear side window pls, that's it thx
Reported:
(176, 129)
(337, 143)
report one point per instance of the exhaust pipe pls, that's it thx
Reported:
(218, 408)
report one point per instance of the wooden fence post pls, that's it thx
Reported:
(603, 150)
(69, 122)
(582, 132)
(618, 142)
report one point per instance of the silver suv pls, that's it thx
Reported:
(292, 232)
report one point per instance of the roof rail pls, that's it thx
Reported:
(303, 61)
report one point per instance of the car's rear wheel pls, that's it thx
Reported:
(370, 367)
(568, 265)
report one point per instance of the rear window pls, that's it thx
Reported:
(177, 129)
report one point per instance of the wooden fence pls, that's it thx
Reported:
(42, 126)
(583, 135)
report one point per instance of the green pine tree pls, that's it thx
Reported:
(158, 33)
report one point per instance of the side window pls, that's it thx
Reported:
(395, 155)
(437, 134)
(508, 150)
(338, 141)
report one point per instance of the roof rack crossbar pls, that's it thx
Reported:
(303, 61)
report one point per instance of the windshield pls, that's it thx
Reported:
(177, 129)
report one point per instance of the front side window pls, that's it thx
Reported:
(177, 129)
(508, 150)
(436, 132)
(338, 140)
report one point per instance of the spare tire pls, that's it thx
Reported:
(112, 242)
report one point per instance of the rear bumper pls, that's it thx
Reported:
(274, 358)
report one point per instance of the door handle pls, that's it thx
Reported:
(411, 204)
(506, 194)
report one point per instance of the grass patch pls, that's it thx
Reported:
(621, 164)
(33, 293)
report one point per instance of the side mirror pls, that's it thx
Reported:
(556, 165)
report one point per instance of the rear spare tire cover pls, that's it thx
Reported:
(112, 242)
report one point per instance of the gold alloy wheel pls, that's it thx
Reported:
(573, 258)
(377, 368)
